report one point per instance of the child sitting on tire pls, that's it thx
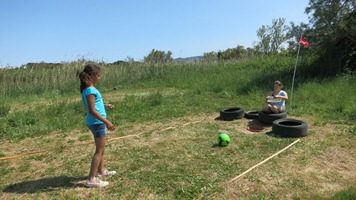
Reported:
(275, 101)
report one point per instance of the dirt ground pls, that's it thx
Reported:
(328, 171)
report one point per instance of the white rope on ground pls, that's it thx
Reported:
(109, 140)
(265, 160)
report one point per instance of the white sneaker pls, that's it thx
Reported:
(106, 173)
(96, 183)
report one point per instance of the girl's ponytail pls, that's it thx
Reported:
(86, 74)
(83, 77)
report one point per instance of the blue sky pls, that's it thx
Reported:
(111, 30)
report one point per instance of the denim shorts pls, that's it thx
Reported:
(98, 130)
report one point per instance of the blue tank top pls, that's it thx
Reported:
(281, 103)
(99, 105)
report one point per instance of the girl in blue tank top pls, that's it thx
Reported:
(275, 101)
(96, 122)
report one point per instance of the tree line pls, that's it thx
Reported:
(331, 33)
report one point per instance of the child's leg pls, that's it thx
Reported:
(98, 158)
(266, 107)
(274, 109)
(101, 165)
(281, 109)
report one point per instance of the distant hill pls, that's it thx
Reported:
(189, 59)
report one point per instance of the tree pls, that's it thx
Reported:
(294, 34)
(210, 57)
(129, 59)
(272, 37)
(156, 56)
(265, 39)
(278, 33)
(333, 33)
(232, 53)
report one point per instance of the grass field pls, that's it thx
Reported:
(169, 115)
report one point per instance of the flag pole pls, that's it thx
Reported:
(295, 69)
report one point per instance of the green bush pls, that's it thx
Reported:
(4, 110)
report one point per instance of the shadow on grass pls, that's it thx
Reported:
(216, 146)
(46, 185)
(221, 119)
(270, 133)
(218, 118)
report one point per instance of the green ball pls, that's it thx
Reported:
(223, 139)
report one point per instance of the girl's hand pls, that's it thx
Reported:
(110, 126)
(110, 106)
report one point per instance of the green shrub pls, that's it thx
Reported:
(4, 110)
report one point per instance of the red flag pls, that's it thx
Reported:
(304, 42)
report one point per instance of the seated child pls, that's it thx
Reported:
(275, 101)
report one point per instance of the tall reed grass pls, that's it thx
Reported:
(215, 77)
(207, 87)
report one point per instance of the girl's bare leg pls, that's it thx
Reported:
(98, 158)
(274, 109)
(266, 108)
(280, 109)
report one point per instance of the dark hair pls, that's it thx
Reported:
(279, 83)
(85, 76)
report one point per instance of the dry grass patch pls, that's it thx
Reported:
(178, 159)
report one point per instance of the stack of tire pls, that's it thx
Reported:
(268, 118)
(252, 114)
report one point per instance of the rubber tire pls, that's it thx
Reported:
(268, 118)
(230, 114)
(252, 114)
(289, 127)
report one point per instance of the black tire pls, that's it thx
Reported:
(230, 114)
(252, 114)
(268, 118)
(290, 127)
